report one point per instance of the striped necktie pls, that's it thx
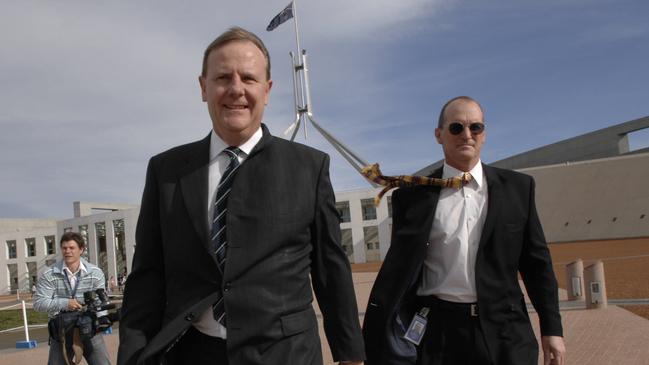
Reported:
(373, 173)
(218, 232)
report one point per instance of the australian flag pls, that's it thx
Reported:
(280, 18)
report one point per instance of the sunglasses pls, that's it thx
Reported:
(456, 128)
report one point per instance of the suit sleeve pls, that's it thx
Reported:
(331, 276)
(390, 305)
(144, 294)
(537, 273)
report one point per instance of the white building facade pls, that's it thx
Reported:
(30, 246)
(365, 229)
(110, 236)
(109, 231)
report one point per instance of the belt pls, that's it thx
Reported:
(436, 304)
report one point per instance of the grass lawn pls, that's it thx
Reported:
(14, 318)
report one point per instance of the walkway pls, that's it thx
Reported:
(593, 337)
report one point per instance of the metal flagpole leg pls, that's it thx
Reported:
(356, 162)
(302, 99)
(325, 133)
(296, 124)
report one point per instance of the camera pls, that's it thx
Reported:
(99, 314)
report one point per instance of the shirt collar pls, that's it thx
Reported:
(82, 267)
(476, 172)
(217, 145)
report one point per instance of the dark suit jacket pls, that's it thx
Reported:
(512, 241)
(283, 237)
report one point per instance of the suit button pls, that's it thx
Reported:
(189, 317)
(227, 286)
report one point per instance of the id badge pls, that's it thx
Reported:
(417, 327)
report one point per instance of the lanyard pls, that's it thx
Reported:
(76, 285)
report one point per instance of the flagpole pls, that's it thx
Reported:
(297, 32)
(300, 63)
(303, 107)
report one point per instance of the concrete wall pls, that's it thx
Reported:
(8, 225)
(382, 221)
(20, 230)
(82, 208)
(607, 142)
(591, 200)
(130, 221)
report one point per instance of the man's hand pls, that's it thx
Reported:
(554, 350)
(74, 305)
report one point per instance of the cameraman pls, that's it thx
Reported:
(60, 289)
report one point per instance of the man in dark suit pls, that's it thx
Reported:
(232, 283)
(457, 253)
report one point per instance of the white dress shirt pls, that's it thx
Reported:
(219, 161)
(449, 266)
(73, 277)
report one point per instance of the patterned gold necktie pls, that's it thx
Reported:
(373, 173)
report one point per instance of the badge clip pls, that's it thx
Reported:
(417, 327)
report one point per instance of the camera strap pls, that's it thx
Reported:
(77, 348)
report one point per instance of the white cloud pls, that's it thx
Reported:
(89, 91)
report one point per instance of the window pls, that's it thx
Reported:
(348, 244)
(67, 229)
(390, 206)
(12, 270)
(102, 255)
(32, 273)
(11, 250)
(83, 231)
(30, 247)
(369, 210)
(371, 238)
(343, 211)
(50, 246)
(120, 245)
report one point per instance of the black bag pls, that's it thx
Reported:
(62, 324)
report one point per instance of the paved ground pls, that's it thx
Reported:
(593, 337)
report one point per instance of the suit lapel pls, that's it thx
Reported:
(266, 137)
(194, 181)
(494, 204)
(428, 204)
(424, 208)
(194, 185)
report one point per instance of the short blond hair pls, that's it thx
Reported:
(236, 34)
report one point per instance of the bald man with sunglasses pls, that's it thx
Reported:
(448, 291)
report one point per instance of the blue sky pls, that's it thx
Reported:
(89, 91)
